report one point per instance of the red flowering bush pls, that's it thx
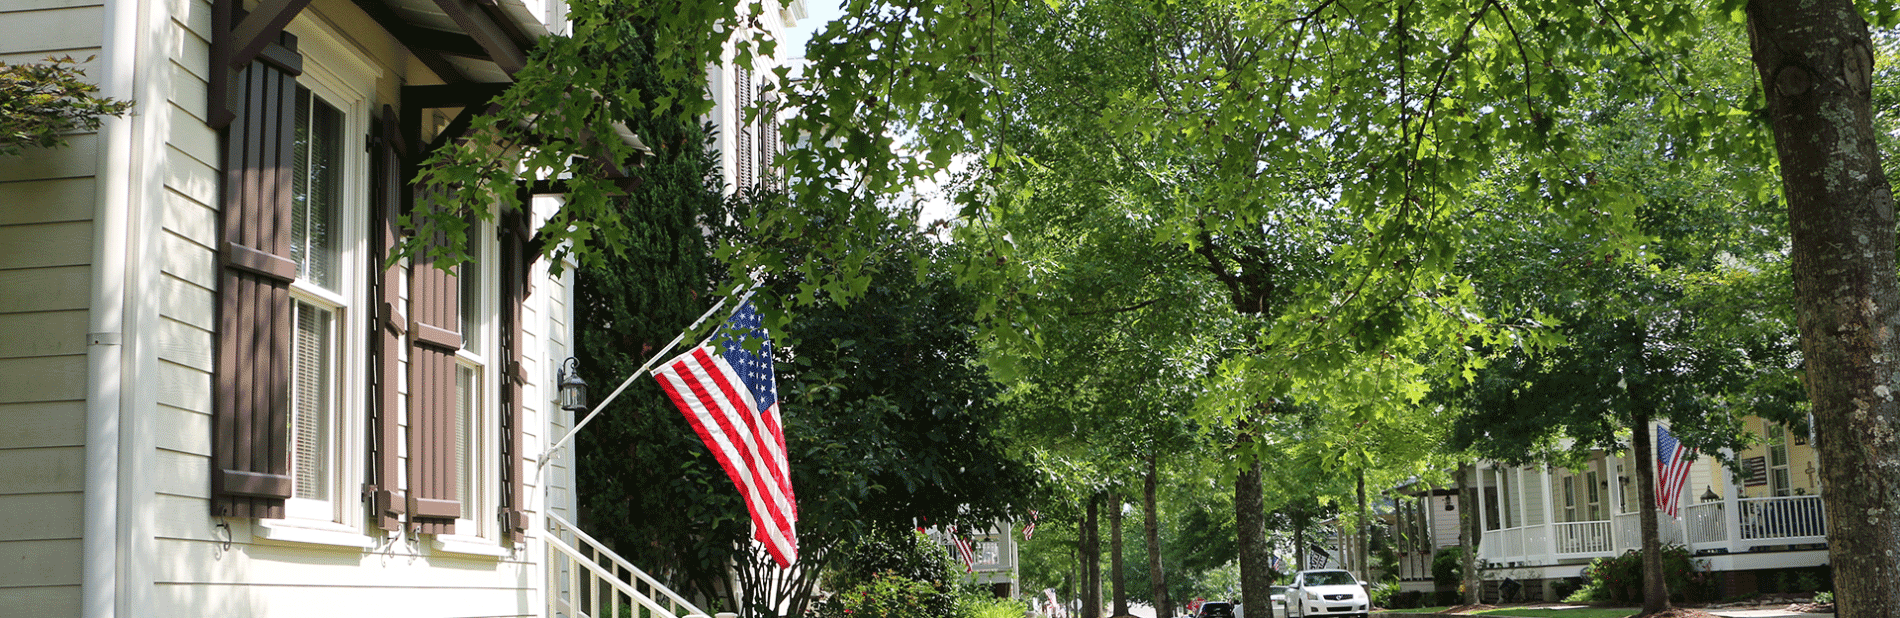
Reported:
(887, 595)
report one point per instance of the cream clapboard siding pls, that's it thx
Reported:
(204, 569)
(1444, 523)
(547, 328)
(45, 278)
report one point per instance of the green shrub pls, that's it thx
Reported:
(1382, 593)
(1448, 567)
(986, 605)
(1823, 597)
(1620, 579)
(883, 573)
(890, 595)
(1407, 600)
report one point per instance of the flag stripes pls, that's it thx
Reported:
(748, 443)
(964, 551)
(1672, 471)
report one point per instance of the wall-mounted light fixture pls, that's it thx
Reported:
(573, 393)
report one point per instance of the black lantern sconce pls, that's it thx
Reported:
(573, 394)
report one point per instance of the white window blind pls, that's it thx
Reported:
(311, 400)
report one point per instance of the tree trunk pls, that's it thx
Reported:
(1120, 595)
(1362, 535)
(1250, 516)
(1299, 538)
(1815, 61)
(1092, 559)
(1157, 581)
(1468, 532)
(1655, 594)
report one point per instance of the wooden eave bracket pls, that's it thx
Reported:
(260, 28)
(487, 32)
(237, 39)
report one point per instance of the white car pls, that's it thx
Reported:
(1330, 592)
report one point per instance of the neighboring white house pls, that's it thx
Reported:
(212, 400)
(993, 558)
(1542, 525)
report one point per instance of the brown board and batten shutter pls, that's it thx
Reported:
(515, 265)
(434, 336)
(381, 489)
(251, 437)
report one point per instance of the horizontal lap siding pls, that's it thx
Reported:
(46, 251)
(258, 576)
(545, 344)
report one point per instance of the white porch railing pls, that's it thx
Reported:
(586, 580)
(1629, 532)
(1582, 537)
(1706, 524)
(1506, 545)
(1785, 518)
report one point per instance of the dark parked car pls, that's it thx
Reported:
(1215, 609)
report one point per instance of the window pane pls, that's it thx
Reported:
(310, 400)
(467, 397)
(470, 280)
(317, 161)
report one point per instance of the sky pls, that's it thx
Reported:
(817, 14)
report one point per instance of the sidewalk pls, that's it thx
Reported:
(1724, 613)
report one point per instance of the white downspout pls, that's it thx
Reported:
(117, 380)
(99, 590)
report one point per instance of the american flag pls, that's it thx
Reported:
(1672, 470)
(1030, 529)
(730, 398)
(964, 552)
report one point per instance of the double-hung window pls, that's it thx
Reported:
(475, 378)
(320, 301)
(1781, 482)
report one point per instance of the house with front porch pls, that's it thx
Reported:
(1541, 526)
(215, 400)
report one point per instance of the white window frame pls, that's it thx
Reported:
(480, 534)
(342, 78)
(1780, 477)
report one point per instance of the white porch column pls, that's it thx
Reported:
(1484, 523)
(1550, 519)
(1731, 504)
(1615, 499)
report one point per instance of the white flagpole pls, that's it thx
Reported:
(543, 461)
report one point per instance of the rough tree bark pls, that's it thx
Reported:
(1119, 594)
(1299, 539)
(1468, 532)
(1091, 539)
(1250, 516)
(1157, 581)
(1655, 593)
(1815, 61)
(1362, 535)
